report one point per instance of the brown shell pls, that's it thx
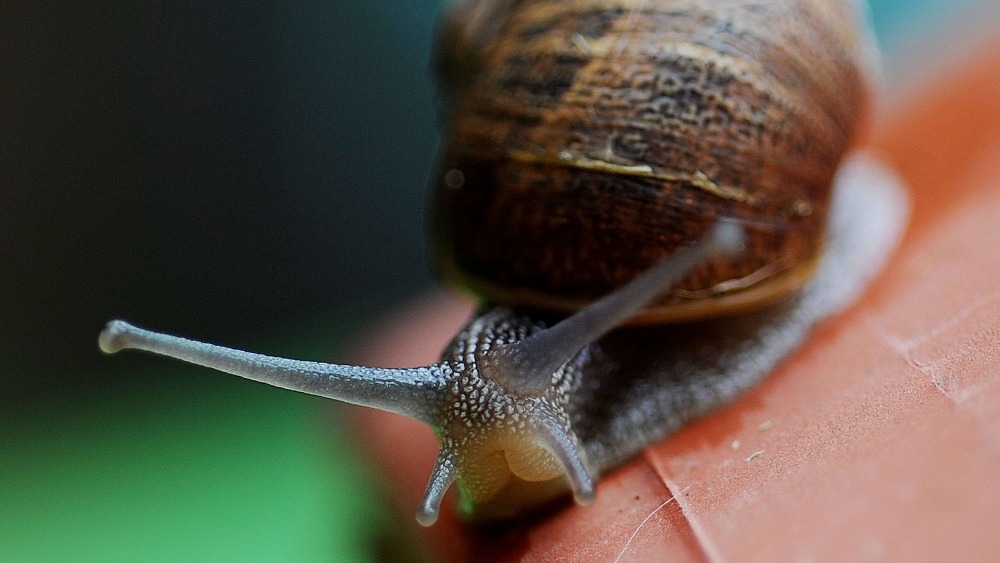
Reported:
(588, 140)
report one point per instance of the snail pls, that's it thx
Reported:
(652, 201)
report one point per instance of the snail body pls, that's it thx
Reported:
(607, 161)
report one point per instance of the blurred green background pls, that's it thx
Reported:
(247, 173)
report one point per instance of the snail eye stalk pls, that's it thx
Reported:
(414, 392)
(530, 363)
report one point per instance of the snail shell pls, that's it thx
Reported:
(609, 149)
(589, 140)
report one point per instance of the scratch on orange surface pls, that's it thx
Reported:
(906, 345)
(708, 548)
(953, 334)
(643, 524)
(937, 370)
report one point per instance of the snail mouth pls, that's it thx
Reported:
(496, 485)
(510, 501)
(490, 470)
(531, 462)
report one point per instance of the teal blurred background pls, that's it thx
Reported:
(247, 173)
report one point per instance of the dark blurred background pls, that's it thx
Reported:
(251, 173)
(217, 167)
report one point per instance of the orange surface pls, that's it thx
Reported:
(879, 439)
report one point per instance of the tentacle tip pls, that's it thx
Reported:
(115, 337)
(584, 493)
(427, 515)
(442, 477)
(729, 237)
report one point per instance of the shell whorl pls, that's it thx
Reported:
(588, 140)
